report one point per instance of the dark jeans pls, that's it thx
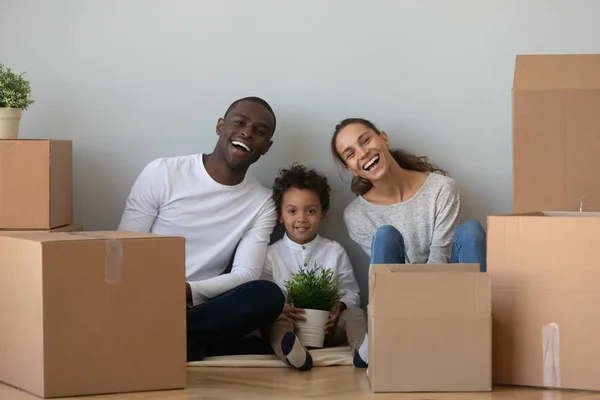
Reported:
(218, 326)
(468, 245)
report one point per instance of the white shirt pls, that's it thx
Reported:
(286, 257)
(177, 197)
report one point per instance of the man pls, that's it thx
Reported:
(223, 212)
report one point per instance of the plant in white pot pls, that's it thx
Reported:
(315, 290)
(15, 96)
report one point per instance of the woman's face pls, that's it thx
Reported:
(365, 152)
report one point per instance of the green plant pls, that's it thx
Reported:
(15, 91)
(315, 289)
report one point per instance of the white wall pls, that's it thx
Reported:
(129, 81)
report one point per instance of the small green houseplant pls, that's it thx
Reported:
(15, 96)
(315, 290)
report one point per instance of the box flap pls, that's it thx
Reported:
(45, 237)
(570, 214)
(429, 291)
(548, 214)
(557, 72)
(386, 269)
(394, 268)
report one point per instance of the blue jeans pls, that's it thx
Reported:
(220, 325)
(468, 245)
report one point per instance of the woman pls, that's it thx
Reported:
(405, 211)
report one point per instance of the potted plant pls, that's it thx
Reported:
(15, 96)
(315, 290)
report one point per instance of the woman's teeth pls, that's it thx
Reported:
(370, 163)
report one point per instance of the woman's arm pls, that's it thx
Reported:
(447, 219)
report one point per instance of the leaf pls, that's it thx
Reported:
(315, 289)
(15, 90)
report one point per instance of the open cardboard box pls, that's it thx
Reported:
(429, 328)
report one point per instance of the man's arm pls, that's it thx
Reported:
(248, 261)
(145, 199)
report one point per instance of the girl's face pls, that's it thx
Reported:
(365, 152)
(301, 213)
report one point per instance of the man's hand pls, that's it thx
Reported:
(188, 293)
(295, 314)
(334, 315)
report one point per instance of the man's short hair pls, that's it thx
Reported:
(256, 100)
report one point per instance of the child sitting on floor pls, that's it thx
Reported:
(302, 200)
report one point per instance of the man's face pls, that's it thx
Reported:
(245, 134)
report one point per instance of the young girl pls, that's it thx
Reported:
(404, 211)
(302, 200)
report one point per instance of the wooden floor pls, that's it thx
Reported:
(334, 383)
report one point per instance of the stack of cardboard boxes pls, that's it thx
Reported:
(81, 313)
(430, 327)
(542, 259)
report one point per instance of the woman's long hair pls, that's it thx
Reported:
(406, 160)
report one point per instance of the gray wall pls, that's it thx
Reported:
(130, 81)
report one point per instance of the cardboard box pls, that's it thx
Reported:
(556, 133)
(545, 298)
(429, 328)
(87, 313)
(67, 228)
(36, 184)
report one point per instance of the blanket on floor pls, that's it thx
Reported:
(325, 357)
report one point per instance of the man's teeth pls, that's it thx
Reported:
(236, 143)
(368, 165)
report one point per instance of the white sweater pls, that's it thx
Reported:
(286, 257)
(177, 197)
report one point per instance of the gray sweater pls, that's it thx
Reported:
(427, 220)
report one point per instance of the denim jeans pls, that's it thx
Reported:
(468, 245)
(220, 325)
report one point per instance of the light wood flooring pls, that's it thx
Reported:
(334, 383)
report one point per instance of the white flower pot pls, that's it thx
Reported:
(9, 123)
(312, 331)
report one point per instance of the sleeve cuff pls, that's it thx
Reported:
(348, 301)
(197, 297)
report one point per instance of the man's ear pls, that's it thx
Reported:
(268, 147)
(220, 123)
